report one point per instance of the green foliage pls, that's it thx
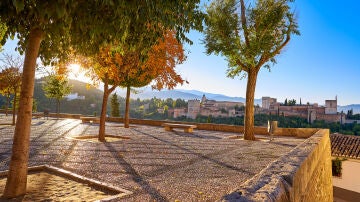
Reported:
(115, 111)
(336, 167)
(66, 24)
(34, 106)
(91, 103)
(57, 88)
(251, 40)
(3, 29)
(179, 103)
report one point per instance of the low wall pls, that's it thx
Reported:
(303, 174)
(60, 115)
(295, 132)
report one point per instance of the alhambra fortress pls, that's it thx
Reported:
(311, 112)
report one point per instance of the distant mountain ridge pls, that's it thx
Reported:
(354, 107)
(147, 93)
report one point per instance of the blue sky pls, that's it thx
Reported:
(317, 65)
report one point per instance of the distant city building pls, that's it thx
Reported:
(213, 108)
(331, 106)
(311, 112)
(193, 108)
(75, 96)
(179, 112)
(267, 102)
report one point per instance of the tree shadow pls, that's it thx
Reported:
(195, 135)
(136, 177)
(208, 157)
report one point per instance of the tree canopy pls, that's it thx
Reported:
(56, 87)
(10, 79)
(115, 106)
(250, 37)
(52, 29)
(2, 32)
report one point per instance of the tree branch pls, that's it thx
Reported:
(243, 23)
(278, 49)
(242, 65)
(112, 88)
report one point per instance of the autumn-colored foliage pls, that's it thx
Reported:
(10, 80)
(118, 65)
(159, 67)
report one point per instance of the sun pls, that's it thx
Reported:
(77, 73)
(74, 68)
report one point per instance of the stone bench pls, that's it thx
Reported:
(187, 128)
(89, 119)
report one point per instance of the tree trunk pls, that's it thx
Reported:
(127, 108)
(14, 107)
(7, 104)
(249, 107)
(17, 177)
(103, 112)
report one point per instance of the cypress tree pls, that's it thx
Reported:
(115, 105)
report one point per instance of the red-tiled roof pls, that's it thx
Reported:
(345, 145)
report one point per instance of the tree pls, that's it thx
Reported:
(56, 87)
(3, 29)
(10, 80)
(159, 67)
(292, 102)
(51, 29)
(180, 103)
(115, 111)
(250, 37)
(286, 102)
(169, 102)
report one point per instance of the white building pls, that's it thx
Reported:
(75, 96)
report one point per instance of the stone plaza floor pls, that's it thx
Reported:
(156, 165)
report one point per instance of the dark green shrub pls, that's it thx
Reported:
(336, 167)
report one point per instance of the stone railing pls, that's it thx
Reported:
(303, 174)
(296, 132)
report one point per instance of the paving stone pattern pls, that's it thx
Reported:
(155, 164)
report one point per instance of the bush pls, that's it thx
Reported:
(336, 167)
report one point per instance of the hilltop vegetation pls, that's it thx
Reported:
(90, 105)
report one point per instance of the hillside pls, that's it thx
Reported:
(91, 104)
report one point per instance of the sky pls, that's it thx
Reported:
(316, 66)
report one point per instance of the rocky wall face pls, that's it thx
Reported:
(303, 174)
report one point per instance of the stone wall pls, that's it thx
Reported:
(303, 174)
(296, 132)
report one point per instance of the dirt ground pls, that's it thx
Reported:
(43, 186)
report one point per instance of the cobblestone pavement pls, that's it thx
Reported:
(156, 165)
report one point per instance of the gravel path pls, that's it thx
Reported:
(156, 165)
